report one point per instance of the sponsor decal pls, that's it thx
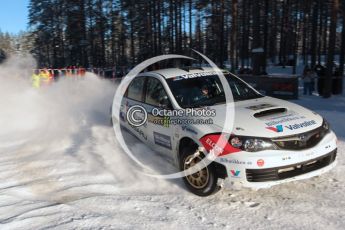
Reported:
(235, 173)
(277, 129)
(189, 129)
(162, 140)
(194, 75)
(210, 142)
(234, 161)
(260, 106)
(283, 119)
(279, 116)
(301, 125)
(260, 162)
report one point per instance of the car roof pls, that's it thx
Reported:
(174, 72)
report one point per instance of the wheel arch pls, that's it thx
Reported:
(187, 141)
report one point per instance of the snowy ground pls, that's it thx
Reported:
(60, 167)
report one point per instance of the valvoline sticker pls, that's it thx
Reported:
(277, 129)
(219, 144)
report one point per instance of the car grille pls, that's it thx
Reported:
(301, 141)
(280, 173)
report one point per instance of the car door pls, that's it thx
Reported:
(134, 97)
(159, 130)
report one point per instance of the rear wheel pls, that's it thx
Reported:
(202, 182)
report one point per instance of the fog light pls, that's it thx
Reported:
(236, 142)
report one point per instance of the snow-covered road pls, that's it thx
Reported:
(60, 167)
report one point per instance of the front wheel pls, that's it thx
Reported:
(202, 182)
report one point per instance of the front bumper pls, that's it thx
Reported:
(290, 171)
(268, 168)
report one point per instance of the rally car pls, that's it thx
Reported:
(272, 141)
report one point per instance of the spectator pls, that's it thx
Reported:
(36, 81)
(313, 76)
(321, 73)
(307, 81)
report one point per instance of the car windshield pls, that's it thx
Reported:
(207, 90)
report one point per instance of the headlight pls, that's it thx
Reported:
(252, 144)
(325, 125)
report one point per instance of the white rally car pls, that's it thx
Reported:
(272, 141)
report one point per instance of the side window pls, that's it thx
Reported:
(156, 94)
(136, 89)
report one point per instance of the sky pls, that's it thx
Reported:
(13, 15)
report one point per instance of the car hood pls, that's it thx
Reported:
(268, 117)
